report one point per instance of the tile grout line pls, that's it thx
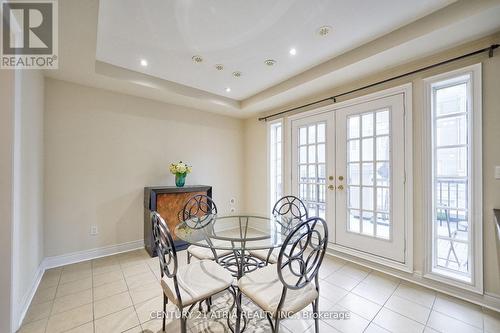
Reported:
(128, 292)
(382, 307)
(430, 312)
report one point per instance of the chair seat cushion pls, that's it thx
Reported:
(264, 288)
(206, 253)
(262, 255)
(197, 281)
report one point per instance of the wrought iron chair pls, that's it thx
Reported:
(291, 284)
(187, 285)
(292, 210)
(197, 212)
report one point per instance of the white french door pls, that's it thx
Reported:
(348, 165)
(313, 140)
(370, 165)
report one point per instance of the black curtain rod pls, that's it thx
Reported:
(334, 98)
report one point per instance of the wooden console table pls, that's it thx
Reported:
(167, 201)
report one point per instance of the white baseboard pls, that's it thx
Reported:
(74, 257)
(22, 308)
(66, 259)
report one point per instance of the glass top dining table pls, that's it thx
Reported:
(242, 232)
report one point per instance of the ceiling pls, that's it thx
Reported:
(102, 42)
(241, 35)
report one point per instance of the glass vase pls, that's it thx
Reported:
(180, 179)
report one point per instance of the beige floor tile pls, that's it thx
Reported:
(415, 293)
(105, 261)
(464, 311)
(50, 279)
(377, 294)
(330, 265)
(138, 280)
(112, 304)
(325, 304)
(427, 329)
(85, 328)
(331, 292)
(117, 322)
(491, 321)
(73, 287)
(359, 305)
(108, 277)
(145, 309)
(106, 269)
(70, 319)
(354, 324)
(78, 267)
(394, 322)
(145, 292)
(355, 271)
(377, 279)
(70, 276)
(44, 295)
(137, 329)
(72, 301)
(344, 281)
(38, 311)
(131, 260)
(323, 328)
(445, 324)
(109, 289)
(409, 309)
(297, 324)
(136, 269)
(374, 328)
(34, 327)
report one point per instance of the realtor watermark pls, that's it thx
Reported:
(259, 315)
(29, 34)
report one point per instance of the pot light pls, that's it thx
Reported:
(219, 67)
(237, 74)
(293, 51)
(228, 89)
(197, 59)
(324, 30)
(144, 63)
(270, 62)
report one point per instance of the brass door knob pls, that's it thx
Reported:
(341, 178)
(340, 187)
(330, 178)
(331, 187)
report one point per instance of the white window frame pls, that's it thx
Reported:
(475, 174)
(271, 201)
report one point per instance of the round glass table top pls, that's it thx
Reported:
(234, 232)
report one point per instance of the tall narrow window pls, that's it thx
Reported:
(455, 149)
(275, 159)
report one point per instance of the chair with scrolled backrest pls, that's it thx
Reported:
(198, 211)
(297, 285)
(208, 277)
(288, 211)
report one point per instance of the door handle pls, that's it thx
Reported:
(331, 187)
(340, 187)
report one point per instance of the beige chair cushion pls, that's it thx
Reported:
(206, 253)
(264, 288)
(262, 255)
(197, 281)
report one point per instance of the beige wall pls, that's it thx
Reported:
(6, 167)
(256, 161)
(102, 148)
(28, 185)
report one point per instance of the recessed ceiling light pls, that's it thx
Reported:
(228, 89)
(219, 67)
(144, 63)
(293, 51)
(270, 62)
(197, 59)
(324, 30)
(237, 74)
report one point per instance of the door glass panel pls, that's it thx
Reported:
(372, 199)
(312, 167)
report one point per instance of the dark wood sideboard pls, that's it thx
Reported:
(167, 201)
